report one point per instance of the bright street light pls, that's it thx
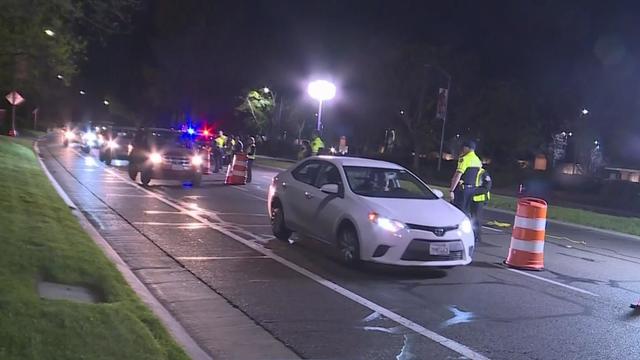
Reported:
(60, 77)
(321, 90)
(585, 111)
(265, 90)
(82, 92)
(401, 112)
(106, 102)
(49, 32)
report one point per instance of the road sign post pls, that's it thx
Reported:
(14, 99)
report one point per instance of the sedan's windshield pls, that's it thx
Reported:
(386, 183)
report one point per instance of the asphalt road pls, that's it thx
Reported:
(577, 308)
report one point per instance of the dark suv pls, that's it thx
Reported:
(115, 143)
(164, 154)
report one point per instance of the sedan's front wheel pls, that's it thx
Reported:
(278, 225)
(349, 246)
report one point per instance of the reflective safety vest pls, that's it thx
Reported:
(483, 184)
(469, 165)
(316, 145)
(220, 141)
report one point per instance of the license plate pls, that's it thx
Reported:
(177, 167)
(439, 249)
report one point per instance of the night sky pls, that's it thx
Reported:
(198, 56)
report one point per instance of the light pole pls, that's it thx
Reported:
(321, 90)
(444, 118)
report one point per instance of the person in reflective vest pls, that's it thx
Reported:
(317, 145)
(251, 156)
(218, 151)
(463, 183)
(481, 196)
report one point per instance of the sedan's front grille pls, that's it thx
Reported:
(437, 230)
(418, 250)
(176, 160)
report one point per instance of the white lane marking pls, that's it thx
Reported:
(492, 229)
(238, 214)
(153, 223)
(127, 195)
(154, 212)
(446, 342)
(548, 280)
(220, 257)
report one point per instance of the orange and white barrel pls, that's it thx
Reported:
(527, 239)
(237, 171)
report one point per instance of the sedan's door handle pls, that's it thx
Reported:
(308, 195)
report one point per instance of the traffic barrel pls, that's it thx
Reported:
(527, 239)
(237, 171)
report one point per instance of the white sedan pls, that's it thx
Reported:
(370, 210)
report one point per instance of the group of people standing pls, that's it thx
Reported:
(225, 147)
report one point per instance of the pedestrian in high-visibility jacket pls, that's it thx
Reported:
(463, 183)
(251, 156)
(482, 195)
(218, 151)
(317, 145)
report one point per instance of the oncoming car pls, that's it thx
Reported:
(164, 154)
(116, 143)
(370, 210)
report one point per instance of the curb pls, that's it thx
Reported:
(577, 226)
(178, 332)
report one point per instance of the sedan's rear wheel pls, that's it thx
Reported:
(349, 246)
(278, 225)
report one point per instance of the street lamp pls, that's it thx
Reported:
(50, 32)
(82, 92)
(106, 102)
(266, 90)
(585, 111)
(321, 90)
(444, 119)
(59, 76)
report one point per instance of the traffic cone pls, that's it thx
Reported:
(237, 171)
(527, 239)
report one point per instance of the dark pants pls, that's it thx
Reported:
(463, 199)
(217, 159)
(476, 213)
(249, 166)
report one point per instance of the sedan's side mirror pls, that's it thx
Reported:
(333, 189)
(438, 193)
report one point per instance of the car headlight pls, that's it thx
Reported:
(465, 226)
(155, 158)
(196, 160)
(112, 144)
(387, 224)
(69, 135)
(90, 136)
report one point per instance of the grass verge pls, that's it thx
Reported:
(627, 225)
(41, 239)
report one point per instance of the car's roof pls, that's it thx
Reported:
(354, 161)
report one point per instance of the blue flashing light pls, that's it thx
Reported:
(191, 131)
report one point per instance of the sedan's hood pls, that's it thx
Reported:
(414, 211)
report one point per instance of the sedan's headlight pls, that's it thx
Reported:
(465, 226)
(112, 144)
(387, 224)
(196, 160)
(90, 136)
(69, 135)
(155, 158)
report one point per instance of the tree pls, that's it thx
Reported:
(30, 59)
(257, 109)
